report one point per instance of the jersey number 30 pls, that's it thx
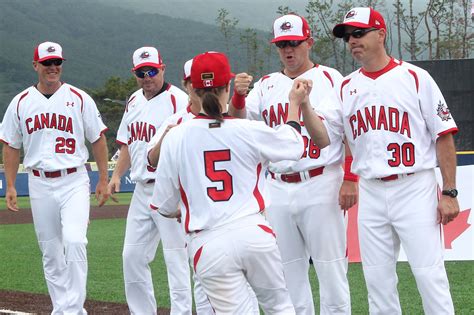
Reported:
(222, 176)
(64, 145)
(404, 154)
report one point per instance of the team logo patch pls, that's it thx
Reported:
(353, 92)
(207, 76)
(350, 14)
(145, 55)
(70, 104)
(286, 26)
(443, 111)
(208, 83)
(51, 49)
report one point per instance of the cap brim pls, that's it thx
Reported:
(339, 30)
(148, 64)
(289, 37)
(50, 57)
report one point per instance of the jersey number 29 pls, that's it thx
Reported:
(64, 145)
(222, 176)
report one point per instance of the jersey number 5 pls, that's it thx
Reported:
(223, 176)
(404, 153)
(64, 145)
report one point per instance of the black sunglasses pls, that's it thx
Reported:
(149, 73)
(49, 62)
(358, 33)
(291, 43)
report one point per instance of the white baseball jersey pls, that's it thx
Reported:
(183, 115)
(391, 133)
(141, 120)
(52, 130)
(268, 101)
(217, 169)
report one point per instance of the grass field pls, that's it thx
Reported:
(20, 262)
(24, 202)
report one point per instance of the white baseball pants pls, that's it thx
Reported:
(228, 258)
(142, 236)
(402, 211)
(308, 221)
(60, 208)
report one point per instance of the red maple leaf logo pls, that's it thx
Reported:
(455, 228)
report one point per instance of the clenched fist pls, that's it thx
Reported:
(242, 82)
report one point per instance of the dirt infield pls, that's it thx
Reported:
(40, 303)
(104, 212)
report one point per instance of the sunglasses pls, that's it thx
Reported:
(149, 73)
(291, 43)
(49, 62)
(358, 33)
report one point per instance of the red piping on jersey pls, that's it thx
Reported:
(80, 96)
(103, 131)
(374, 75)
(342, 85)
(1, 140)
(267, 229)
(329, 77)
(153, 206)
(173, 101)
(256, 192)
(120, 142)
(184, 198)
(180, 120)
(453, 130)
(129, 101)
(264, 78)
(168, 87)
(413, 73)
(18, 105)
(196, 257)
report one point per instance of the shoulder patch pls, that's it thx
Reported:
(443, 111)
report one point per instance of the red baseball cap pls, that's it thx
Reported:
(290, 27)
(360, 18)
(210, 69)
(147, 56)
(48, 50)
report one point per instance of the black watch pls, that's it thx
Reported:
(453, 193)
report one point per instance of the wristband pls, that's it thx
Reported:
(295, 125)
(238, 100)
(348, 175)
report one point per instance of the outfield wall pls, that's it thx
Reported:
(458, 235)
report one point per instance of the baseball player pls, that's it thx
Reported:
(214, 165)
(145, 111)
(398, 127)
(307, 195)
(191, 111)
(181, 116)
(52, 120)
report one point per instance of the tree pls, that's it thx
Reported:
(283, 10)
(110, 101)
(398, 15)
(411, 23)
(226, 25)
(249, 39)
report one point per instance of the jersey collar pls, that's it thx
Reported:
(374, 75)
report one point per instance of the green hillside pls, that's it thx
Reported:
(98, 41)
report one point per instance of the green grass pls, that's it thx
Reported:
(24, 201)
(21, 270)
